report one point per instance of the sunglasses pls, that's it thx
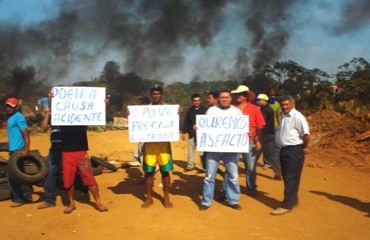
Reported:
(8, 106)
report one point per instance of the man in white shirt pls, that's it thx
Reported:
(293, 140)
(230, 160)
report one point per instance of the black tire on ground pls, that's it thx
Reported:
(5, 193)
(97, 170)
(3, 169)
(4, 147)
(101, 162)
(31, 169)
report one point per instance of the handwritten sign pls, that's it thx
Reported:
(222, 133)
(78, 106)
(153, 123)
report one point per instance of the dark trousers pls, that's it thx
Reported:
(291, 160)
(21, 193)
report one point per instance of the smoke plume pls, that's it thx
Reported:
(354, 16)
(165, 40)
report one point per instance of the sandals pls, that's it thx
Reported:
(69, 209)
(45, 205)
(16, 204)
(147, 204)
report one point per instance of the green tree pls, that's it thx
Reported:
(354, 81)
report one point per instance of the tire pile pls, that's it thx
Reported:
(4, 186)
(33, 169)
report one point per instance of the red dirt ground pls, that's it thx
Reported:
(334, 196)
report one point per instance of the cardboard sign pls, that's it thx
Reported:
(78, 106)
(153, 123)
(222, 133)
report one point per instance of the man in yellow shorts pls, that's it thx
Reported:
(157, 153)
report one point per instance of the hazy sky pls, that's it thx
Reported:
(180, 40)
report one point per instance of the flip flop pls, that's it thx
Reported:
(68, 210)
(16, 204)
(45, 205)
(101, 208)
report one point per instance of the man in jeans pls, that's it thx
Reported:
(54, 161)
(19, 142)
(230, 160)
(243, 101)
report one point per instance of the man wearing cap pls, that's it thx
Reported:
(19, 142)
(268, 136)
(294, 137)
(274, 104)
(243, 101)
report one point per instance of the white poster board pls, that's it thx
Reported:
(78, 106)
(153, 123)
(222, 133)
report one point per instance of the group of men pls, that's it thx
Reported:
(68, 152)
(280, 134)
(282, 138)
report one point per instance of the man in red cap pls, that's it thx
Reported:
(19, 142)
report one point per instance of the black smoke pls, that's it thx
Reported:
(355, 15)
(150, 38)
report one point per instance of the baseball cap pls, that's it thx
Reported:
(13, 102)
(263, 97)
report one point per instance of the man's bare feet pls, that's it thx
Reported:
(167, 204)
(101, 208)
(147, 203)
(69, 209)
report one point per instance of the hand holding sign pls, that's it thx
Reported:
(153, 123)
(78, 106)
(222, 133)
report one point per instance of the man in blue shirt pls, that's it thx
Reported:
(19, 142)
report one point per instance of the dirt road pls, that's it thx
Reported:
(334, 203)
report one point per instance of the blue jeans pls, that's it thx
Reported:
(21, 193)
(250, 160)
(269, 153)
(230, 161)
(55, 166)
